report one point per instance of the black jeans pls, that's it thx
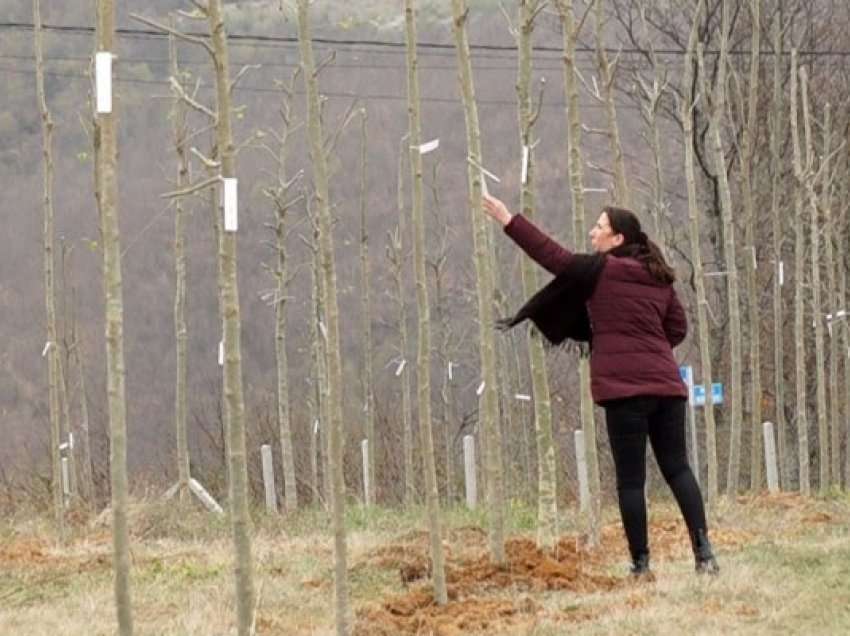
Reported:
(630, 421)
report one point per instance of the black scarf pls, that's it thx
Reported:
(559, 310)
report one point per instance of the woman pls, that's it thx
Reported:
(621, 300)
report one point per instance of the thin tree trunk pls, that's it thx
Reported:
(107, 193)
(181, 335)
(398, 260)
(833, 304)
(282, 201)
(547, 502)
(52, 348)
(320, 179)
(85, 438)
(240, 520)
(703, 328)
(423, 356)
(485, 282)
(575, 167)
(718, 154)
(750, 134)
(799, 273)
(607, 73)
(368, 382)
(817, 311)
(776, 228)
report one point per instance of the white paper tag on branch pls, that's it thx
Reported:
(431, 146)
(781, 273)
(451, 364)
(315, 427)
(523, 397)
(103, 81)
(231, 213)
(400, 367)
(525, 154)
(480, 388)
(220, 352)
(71, 441)
(47, 346)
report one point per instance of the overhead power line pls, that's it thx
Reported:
(259, 39)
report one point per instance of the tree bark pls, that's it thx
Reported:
(703, 328)
(547, 503)
(368, 382)
(718, 153)
(817, 310)
(423, 356)
(799, 291)
(240, 520)
(320, 179)
(107, 191)
(52, 348)
(485, 282)
(750, 134)
(181, 335)
(575, 167)
(776, 134)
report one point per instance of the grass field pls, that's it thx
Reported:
(785, 570)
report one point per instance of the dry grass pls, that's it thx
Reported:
(785, 566)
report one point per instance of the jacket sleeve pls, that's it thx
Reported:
(544, 250)
(675, 321)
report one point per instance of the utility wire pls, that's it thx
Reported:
(388, 44)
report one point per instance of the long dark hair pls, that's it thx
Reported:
(637, 245)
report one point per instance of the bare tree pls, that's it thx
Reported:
(776, 134)
(397, 257)
(485, 283)
(687, 105)
(320, 179)
(179, 122)
(750, 134)
(423, 356)
(571, 29)
(51, 347)
(809, 183)
(106, 192)
(547, 504)
(718, 153)
(368, 388)
(799, 287)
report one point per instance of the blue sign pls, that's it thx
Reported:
(716, 394)
(687, 375)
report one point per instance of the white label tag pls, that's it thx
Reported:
(480, 389)
(103, 81)
(231, 220)
(525, 154)
(47, 346)
(400, 367)
(315, 427)
(220, 352)
(431, 146)
(781, 273)
(71, 441)
(451, 364)
(523, 397)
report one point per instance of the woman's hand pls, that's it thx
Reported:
(496, 209)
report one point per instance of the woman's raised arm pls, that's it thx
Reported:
(545, 251)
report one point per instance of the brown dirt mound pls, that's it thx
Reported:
(24, 552)
(416, 613)
(530, 568)
(470, 581)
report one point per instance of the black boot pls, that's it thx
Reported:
(703, 554)
(640, 566)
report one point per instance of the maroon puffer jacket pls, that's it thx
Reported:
(635, 321)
